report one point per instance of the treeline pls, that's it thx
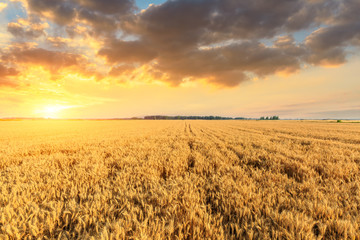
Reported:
(270, 118)
(160, 117)
(163, 117)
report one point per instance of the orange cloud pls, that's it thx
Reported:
(59, 64)
(58, 42)
(5, 75)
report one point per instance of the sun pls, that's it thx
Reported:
(51, 111)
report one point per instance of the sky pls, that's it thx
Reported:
(126, 58)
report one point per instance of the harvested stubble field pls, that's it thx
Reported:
(179, 180)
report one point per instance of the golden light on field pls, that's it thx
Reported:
(179, 179)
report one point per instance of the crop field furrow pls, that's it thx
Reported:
(297, 139)
(326, 133)
(179, 180)
(300, 146)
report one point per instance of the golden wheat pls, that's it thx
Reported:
(179, 180)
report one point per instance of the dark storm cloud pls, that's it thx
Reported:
(5, 73)
(225, 42)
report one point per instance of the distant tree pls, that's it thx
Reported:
(157, 117)
(270, 118)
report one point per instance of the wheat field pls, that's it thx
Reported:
(179, 179)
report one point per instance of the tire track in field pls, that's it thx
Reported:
(201, 144)
(191, 131)
(216, 137)
(268, 150)
(250, 161)
(191, 141)
(265, 148)
(291, 165)
(221, 147)
(188, 130)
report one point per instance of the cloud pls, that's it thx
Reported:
(127, 51)
(57, 63)
(120, 70)
(61, 12)
(110, 7)
(53, 60)
(190, 23)
(224, 42)
(58, 42)
(327, 45)
(30, 28)
(220, 41)
(5, 73)
(102, 15)
(229, 65)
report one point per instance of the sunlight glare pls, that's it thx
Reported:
(51, 111)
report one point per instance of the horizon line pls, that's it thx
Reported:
(143, 118)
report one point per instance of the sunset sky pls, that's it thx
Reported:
(124, 58)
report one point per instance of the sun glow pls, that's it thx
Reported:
(51, 111)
